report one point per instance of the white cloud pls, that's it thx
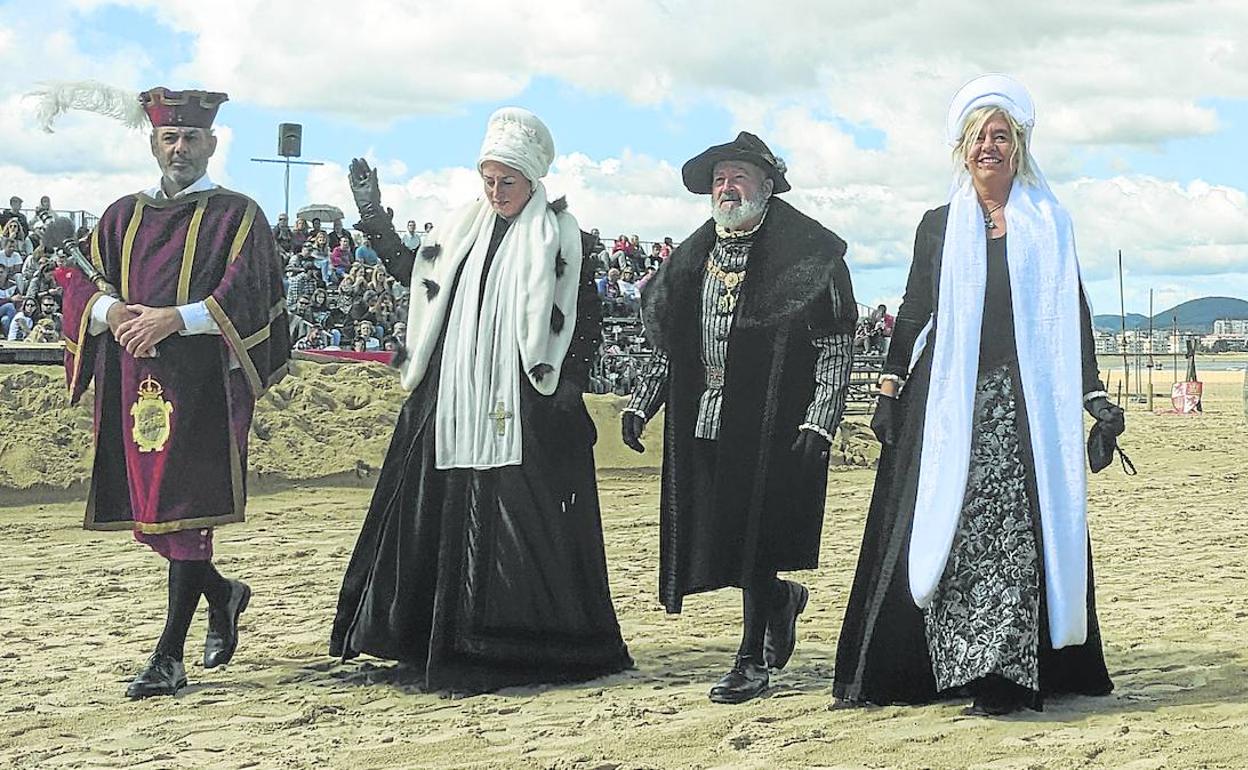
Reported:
(1162, 227)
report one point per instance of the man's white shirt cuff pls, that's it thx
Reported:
(99, 315)
(197, 320)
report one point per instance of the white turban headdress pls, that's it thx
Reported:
(991, 90)
(518, 138)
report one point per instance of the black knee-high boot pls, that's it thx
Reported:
(215, 587)
(757, 602)
(186, 580)
(748, 677)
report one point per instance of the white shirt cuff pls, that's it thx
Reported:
(99, 315)
(197, 319)
(810, 426)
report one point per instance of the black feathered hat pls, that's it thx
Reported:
(747, 147)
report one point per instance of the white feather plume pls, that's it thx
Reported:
(54, 99)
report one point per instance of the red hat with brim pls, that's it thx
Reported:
(193, 109)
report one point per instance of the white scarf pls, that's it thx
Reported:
(1044, 276)
(490, 342)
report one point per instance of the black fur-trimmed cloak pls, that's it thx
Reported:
(766, 513)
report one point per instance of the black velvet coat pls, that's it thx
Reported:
(766, 512)
(489, 578)
(882, 655)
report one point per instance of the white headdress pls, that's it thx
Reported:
(990, 90)
(518, 138)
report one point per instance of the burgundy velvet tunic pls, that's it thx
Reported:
(171, 431)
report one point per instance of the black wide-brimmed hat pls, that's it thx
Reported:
(697, 171)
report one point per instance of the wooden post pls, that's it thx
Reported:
(1122, 319)
(1150, 350)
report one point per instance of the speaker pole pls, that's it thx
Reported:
(289, 145)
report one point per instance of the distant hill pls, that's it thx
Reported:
(1195, 315)
(1110, 323)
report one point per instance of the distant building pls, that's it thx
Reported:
(1230, 327)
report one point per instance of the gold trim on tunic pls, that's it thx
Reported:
(235, 341)
(244, 229)
(83, 323)
(127, 247)
(258, 337)
(97, 258)
(188, 252)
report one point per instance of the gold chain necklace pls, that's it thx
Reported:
(731, 279)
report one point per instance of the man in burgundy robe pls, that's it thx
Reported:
(185, 328)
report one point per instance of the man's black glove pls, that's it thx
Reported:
(1111, 417)
(811, 449)
(631, 426)
(884, 421)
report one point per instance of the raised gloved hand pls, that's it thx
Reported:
(1111, 417)
(366, 190)
(811, 448)
(631, 427)
(884, 421)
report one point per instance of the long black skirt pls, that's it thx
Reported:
(882, 654)
(484, 579)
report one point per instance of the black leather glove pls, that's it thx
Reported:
(884, 421)
(631, 427)
(1111, 417)
(366, 190)
(811, 448)
(376, 224)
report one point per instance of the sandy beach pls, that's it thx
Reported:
(79, 611)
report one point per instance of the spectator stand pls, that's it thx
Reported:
(80, 218)
(868, 365)
(622, 356)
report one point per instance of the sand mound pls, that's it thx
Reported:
(323, 420)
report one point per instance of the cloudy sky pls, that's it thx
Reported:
(1142, 109)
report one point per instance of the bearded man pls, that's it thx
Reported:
(753, 399)
(183, 330)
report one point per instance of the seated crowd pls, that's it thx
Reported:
(340, 297)
(30, 299)
(338, 293)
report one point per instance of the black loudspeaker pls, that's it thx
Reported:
(289, 139)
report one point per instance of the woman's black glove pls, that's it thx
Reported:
(884, 421)
(1110, 416)
(366, 190)
(631, 426)
(376, 224)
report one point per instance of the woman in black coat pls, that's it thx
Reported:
(975, 570)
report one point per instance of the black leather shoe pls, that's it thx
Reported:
(222, 639)
(748, 679)
(163, 675)
(781, 635)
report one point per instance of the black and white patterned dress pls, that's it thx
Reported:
(985, 616)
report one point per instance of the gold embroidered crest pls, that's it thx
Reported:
(151, 414)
